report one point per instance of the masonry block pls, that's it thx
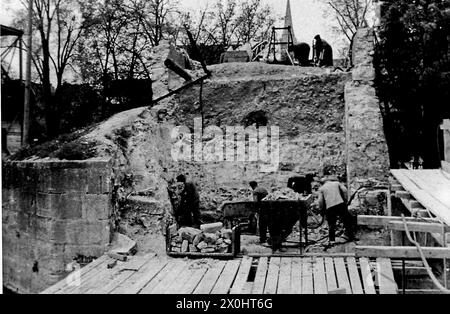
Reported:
(96, 207)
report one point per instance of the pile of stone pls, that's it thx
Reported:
(210, 238)
(282, 194)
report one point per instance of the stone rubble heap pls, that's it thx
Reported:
(210, 238)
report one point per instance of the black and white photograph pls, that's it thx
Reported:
(221, 154)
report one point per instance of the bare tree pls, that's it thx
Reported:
(254, 20)
(59, 28)
(350, 15)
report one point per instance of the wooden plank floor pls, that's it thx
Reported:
(265, 275)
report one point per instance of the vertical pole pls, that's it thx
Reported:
(20, 60)
(444, 242)
(26, 106)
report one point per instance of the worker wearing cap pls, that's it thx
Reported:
(188, 213)
(333, 204)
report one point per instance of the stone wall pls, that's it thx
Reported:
(366, 149)
(54, 212)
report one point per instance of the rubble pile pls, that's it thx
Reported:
(210, 238)
(282, 194)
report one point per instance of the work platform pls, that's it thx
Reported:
(246, 275)
(429, 190)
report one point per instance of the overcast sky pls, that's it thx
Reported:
(307, 16)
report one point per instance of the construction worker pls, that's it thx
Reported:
(301, 53)
(188, 212)
(259, 193)
(322, 52)
(333, 204)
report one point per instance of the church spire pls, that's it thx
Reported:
(288, 22)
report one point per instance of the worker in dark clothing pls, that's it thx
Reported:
(259, 193)
(188, 212)
(333, 204)
(301, 53)
(322, 52)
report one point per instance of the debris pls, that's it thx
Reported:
(211, 228)
(194, 240)
(226, 233)
(198, 238)
(123, 245)
(202, 245)
(192, 248)
(111, 264)
(188, 233)
(117, 256)
(285, 193)
(210, 238)
(185, 246)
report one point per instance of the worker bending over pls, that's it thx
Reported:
(333, 204)
(188, 212)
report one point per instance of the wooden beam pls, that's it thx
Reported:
(403, 195)
(418, 227)
(402, 252)
(397, 187)
(383, 221)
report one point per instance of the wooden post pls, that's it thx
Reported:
(27, 96)
(445, 127)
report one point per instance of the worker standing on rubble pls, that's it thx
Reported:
(322, 52)
(333, 204)
(259, 193)
(188, 212)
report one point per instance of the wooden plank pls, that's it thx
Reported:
(185, 275)
(307, 276)
(91, 279)
(402, 252)
(285, 276)
(386, 277)
(418, 227)
(433, 183)
(367, 278)
(272, 276)
(169, 279)
(226, 279)
(435, 206)
(164, 277)
(383, 221)
(248, 287)
(137, 281)
(83, 271)
(342, 276)
(320, 282)
(209, 280)
(193, 281)
(242, 275)
(125, 271)
(331, 274)
(353, 273)
(260, 277)
(296, 271)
